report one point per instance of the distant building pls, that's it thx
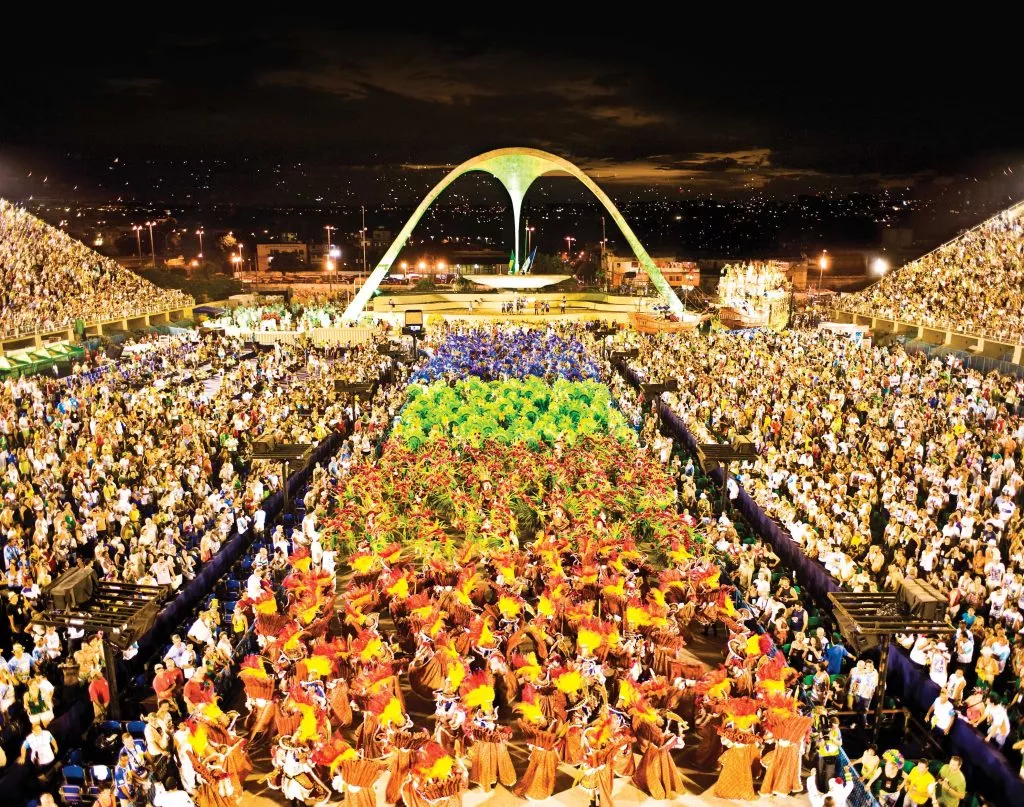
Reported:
(626, 271)
(282, 257)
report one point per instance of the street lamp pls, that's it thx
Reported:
(235, 260)
(152, 248)
(529, 233)
(138, 237)
(240, 247)
(328, 227)
(822, 266)
(199, 232)
(362, 235)
(568, 244)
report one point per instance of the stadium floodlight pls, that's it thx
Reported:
(880, 266)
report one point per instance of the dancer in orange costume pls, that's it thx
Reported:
(542, 738)
(736, 781)
(657, 773)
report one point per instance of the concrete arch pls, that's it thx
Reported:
(516, 169)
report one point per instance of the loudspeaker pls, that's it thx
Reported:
(860, 642)
(922, 601)
(73, 588)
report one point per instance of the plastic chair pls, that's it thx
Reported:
(74, 775)
(136, 728)
(71, 794)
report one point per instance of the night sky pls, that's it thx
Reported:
(682, 107)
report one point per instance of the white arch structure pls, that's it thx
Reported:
(516, 169)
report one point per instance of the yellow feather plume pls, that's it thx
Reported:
(456, 675)
(307, 725)
(637, 616)
(267, 607)
(373, 649)
(569, 682)
(480, 696)
(321, 665)
(628, 694)
(587, 641)
(199, 740)
(362, 563)
(392, 714)
(531, 712)
(441, 769)
(721, 689)
(508, 607)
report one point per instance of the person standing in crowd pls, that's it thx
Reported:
(941, 714)
(99, 695)
(951, 787)
(39, 747)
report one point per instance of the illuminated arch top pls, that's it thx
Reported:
(516, 169)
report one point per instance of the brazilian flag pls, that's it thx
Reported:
(512, 263)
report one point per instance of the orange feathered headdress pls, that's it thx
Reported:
(388, 709)
(529, 706)
(252, 668)
(332, 754)
(433, 763)
(478, 691)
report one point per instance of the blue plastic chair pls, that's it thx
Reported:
(110, 726)
(71, 794)
(74, 775)
(136, 728)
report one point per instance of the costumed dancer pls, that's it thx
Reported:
(489, 758)
(542, 736)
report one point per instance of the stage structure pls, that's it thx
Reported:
(516, 169)
(119, 612)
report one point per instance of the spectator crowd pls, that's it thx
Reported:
(50, 280)
(973, 284)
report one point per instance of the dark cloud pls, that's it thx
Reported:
(643, 106)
